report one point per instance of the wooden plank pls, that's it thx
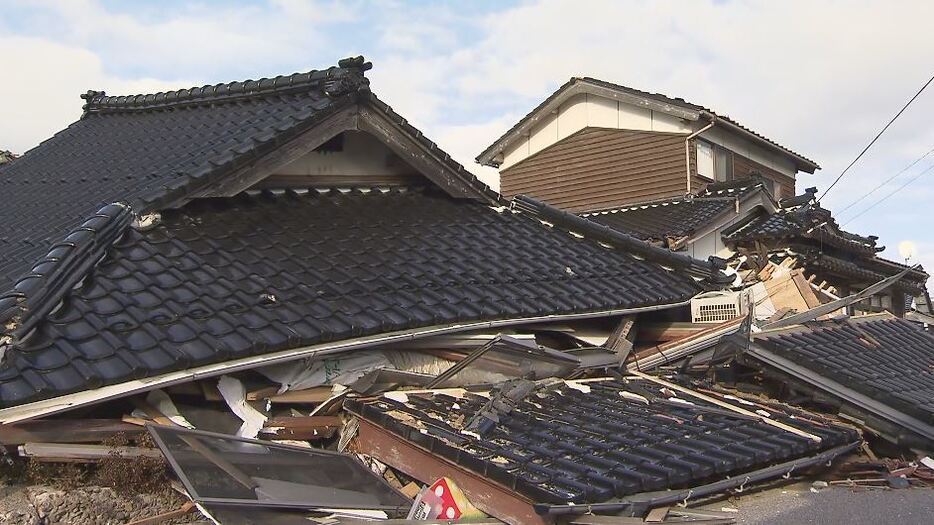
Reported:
(165, 516)
(804, 288)
(729, 406)
(671, 331)
(411, 489)
(308, 428)
(488, 496)
(53, 452)
(64, 431)
(656, 515)
(152, 412)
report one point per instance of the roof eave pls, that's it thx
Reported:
(65, 402)
(801, 163)
(573, 87)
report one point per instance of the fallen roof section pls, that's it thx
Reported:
(657, 102)
(224, 283)
(584, 442)
(878, 365)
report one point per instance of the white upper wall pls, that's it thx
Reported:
(750, 150)
(587, 110)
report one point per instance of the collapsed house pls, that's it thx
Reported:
(282, 279)
(875, 369)
(7, 156)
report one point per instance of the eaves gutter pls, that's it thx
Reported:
(840, 391)
(88, 397)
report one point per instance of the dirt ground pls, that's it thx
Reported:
(45, 505)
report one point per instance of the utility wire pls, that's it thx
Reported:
(873, 141)
(886, 181)
(883, 199)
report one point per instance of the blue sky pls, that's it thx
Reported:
(819, 77)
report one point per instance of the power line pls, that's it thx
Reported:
(873, 141)
(886, 181)
(898, 189)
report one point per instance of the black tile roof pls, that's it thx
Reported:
(659, 220)
(803, 162)
(886, 358)
(221, 279)
(151, 151)
(809, 221)
(592, 443)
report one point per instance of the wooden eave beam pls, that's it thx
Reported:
(245, 177)
(488, 496)
(375, 122)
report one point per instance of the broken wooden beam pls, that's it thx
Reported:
(165, 516)
(65, 431)
(307, 396)
(68, 453)
(306, 428)
(671, 331)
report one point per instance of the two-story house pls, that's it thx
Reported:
(679, 175)
(593, 145)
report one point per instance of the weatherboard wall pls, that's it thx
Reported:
(598, 168)
(586, 110)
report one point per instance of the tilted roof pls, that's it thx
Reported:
(155, 151)
(593, 441)
(682, 217)
(803, 217)
(890, 360)
(655, 101)
(222, 279)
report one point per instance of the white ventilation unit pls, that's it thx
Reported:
(717, 307)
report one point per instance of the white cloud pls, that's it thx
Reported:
(43, 97)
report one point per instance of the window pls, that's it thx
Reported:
(705, 160)
(714, 162)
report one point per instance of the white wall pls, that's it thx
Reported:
(749, 149)
(586, 110)
(362, 155)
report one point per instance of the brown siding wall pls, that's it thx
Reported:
(743, 167)
(600, 168)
